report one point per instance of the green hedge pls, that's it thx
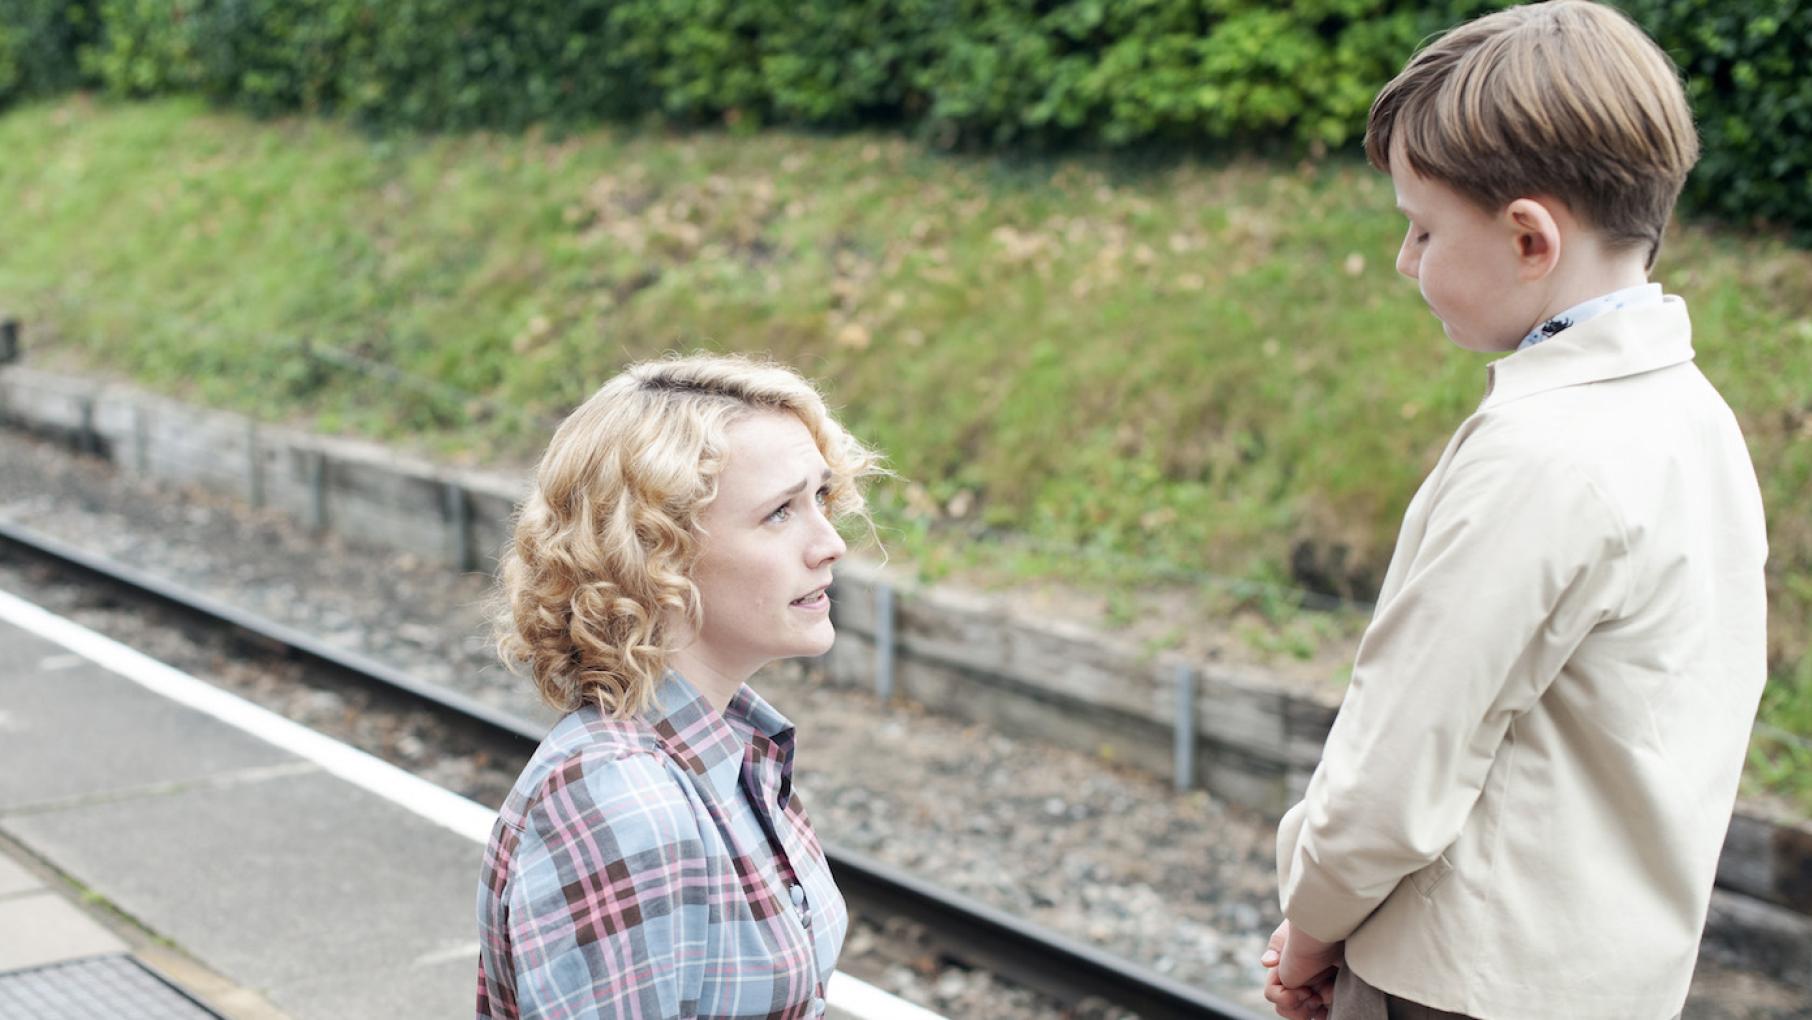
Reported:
(979, 72)
(990, 71)
(1747, 73)
(39, 42)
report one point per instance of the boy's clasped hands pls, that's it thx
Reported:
(1301, 983)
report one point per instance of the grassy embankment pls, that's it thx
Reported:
(1142, 372)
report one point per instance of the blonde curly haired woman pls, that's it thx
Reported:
(653, 859)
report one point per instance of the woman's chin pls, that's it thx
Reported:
(818, 641)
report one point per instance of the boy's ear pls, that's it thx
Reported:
(1536, 233)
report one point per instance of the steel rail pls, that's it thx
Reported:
(965, 928)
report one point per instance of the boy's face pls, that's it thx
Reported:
(1465, 260)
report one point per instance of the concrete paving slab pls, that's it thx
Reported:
(40, 928)
(456, 982)
(277, 883)
(14, 879)
(69, 728)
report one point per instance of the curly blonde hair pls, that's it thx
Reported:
(599, 568)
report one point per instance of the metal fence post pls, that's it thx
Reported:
(884, 640)
(459, 526)
(141, 444)
(317, 488)
(1185, 727)
(254, 465)
(88, 442)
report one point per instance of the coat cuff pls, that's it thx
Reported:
(1310, 896)
(1319, 905)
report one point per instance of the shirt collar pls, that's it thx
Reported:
(1642, 295)
(769, 738)
(1614, 344)
(713, 746)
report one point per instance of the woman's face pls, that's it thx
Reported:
(766, 550)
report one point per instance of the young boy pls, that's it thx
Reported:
(1521, 804)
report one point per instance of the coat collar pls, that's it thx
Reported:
(1626, 342)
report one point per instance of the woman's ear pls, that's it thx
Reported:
(1535, 230)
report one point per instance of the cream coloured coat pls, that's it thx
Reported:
(1520, 807)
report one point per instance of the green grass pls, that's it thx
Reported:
(1111, 372)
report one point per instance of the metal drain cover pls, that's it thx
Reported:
(98, 988)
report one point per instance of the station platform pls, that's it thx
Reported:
(225, 861)
(308, 895)
(61, 960)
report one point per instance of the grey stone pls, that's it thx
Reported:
(1760, 937)
(80, 731)
(14, 879)
(280, 882)
(41, 928)
(416, 991)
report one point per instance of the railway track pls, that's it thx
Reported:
(958, 927)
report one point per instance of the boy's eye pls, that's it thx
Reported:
(1422, 238)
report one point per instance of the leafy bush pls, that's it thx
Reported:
(1157, 69)
(986, 70)
(39, 41)
(456, 64)
(273, 56)
(145, 47)
(977, 72)
(1745, 66)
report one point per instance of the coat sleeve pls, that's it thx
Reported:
(608, 912)
(1519, 559)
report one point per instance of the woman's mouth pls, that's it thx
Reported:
(815, 600)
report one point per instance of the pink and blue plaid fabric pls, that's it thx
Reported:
(656, 867)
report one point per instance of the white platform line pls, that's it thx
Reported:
(441, 806)
(860, 999)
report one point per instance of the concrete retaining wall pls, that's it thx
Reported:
(957, 652)
(360, 490)
(968, 655)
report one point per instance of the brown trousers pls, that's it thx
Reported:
(1356, 1000)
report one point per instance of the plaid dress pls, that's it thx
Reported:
(658, 866)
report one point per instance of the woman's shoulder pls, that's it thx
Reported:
(590, 766)
(589, 731)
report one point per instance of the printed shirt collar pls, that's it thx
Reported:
(1641, 295)
(768, 736)
(714, 747)
(1614, 344)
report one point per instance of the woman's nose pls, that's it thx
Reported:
(827, 545)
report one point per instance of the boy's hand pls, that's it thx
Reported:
(1301, 983)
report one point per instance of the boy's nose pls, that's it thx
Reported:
(1407, 259)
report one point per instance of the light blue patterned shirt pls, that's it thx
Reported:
(1640, 296)
(658, 867)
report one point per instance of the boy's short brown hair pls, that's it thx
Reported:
(1567, 98)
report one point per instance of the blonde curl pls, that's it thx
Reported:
(598, 570)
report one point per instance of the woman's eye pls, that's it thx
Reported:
(781, 512)
(824, 495)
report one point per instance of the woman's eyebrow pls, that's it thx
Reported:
(796, 489)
